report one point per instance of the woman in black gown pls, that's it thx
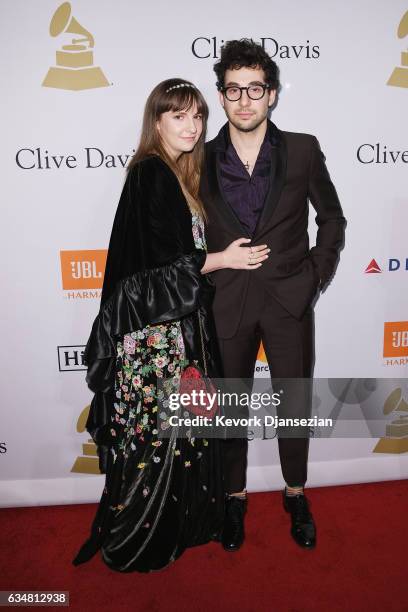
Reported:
(160, 495)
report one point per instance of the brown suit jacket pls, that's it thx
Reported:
(293, 272)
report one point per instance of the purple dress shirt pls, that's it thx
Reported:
(245, 193)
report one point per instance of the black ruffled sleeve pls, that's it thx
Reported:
(146, 298)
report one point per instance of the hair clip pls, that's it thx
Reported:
(178, 86)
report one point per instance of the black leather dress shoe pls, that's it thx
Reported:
(303, 528)
(233, 531)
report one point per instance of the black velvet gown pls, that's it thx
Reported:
(161, 495)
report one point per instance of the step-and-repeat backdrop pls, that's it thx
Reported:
(75, 76)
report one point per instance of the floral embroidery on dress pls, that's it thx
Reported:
(156, 351)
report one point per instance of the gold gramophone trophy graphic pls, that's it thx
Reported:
(89, 462)
(74, 68)
(396, 432)
(399, 77)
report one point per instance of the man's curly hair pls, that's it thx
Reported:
(245, 53)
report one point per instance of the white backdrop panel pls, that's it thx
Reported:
(340, 95)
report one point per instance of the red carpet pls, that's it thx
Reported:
(360, 563)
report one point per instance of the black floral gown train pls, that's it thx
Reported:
(161, 495)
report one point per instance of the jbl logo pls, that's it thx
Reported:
(82, 269)
(400, 339)
(85, 269)
(396, 339)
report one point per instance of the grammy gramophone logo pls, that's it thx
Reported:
(74, 68)
(399, 77)
(396, 432)
(88, 462)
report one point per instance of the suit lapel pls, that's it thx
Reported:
(276, 180)
(216, 195)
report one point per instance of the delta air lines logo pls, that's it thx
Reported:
(393, 264)
(373, 268)
(82, 273)
(74, 69)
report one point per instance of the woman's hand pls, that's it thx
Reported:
(237, 257)
(240, 257)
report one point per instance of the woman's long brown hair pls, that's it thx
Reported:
(188, 166)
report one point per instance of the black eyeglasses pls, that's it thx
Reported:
(233, 93)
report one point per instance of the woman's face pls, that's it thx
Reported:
(180, 130)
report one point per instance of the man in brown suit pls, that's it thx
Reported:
(257, 185)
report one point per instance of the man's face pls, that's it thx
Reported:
(246, 114)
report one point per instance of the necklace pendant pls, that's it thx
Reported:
(247, 165)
